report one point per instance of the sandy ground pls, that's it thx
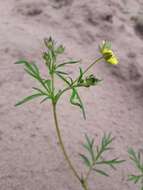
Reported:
(30, 158)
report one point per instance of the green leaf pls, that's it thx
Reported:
(30, 68)
(135, 178)
(21, 62)
(45, 99)
(86, 146)
(76, 100)
(111, 163)
(31, 74)
(86, 160)
(63, 78)
(41, 91)
(136, 158)
(28, 98)
(36, 69)
(80, 74)
(89, 146)
(48, 84)
(68, 63)
(90, 142)
(61, 72)
(132, 153)
(101, 172)
(33, 71)
(57, 95)
(106, 140)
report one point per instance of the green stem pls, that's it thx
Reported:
(67, 158)
(92, 64)
(88, 173)
(85, 185)
(59, 133)
(86, 70)
(94, 163)
(83, 182)
(62, 144)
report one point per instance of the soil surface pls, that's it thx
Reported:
(30, 156)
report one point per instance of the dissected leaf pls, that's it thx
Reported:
(68, 63)
(39, 90)
(89, 141)
(28, 98)
(111, 163)
(30, 73)
(135, 178)
(136, 158)
(86, 160)
(101, 172)
(48, 83)
(45, 99)
(21, 62)
(89, 146)
(61, 72)
(63, 78)
(106, 141)
(57, 95)
(30, 68)
(36, 69)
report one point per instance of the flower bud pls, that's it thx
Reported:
(49, 43)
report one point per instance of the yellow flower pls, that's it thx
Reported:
(109, 56)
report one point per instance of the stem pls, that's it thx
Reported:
(58, 131)
(94, 163)
(88, 173)
(85, 184)
(91, 65)
(62, 144)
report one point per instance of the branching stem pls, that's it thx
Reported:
(59, 133)
(86, 70)
(82, 182)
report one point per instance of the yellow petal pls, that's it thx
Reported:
(106, 51)
(113, 60)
